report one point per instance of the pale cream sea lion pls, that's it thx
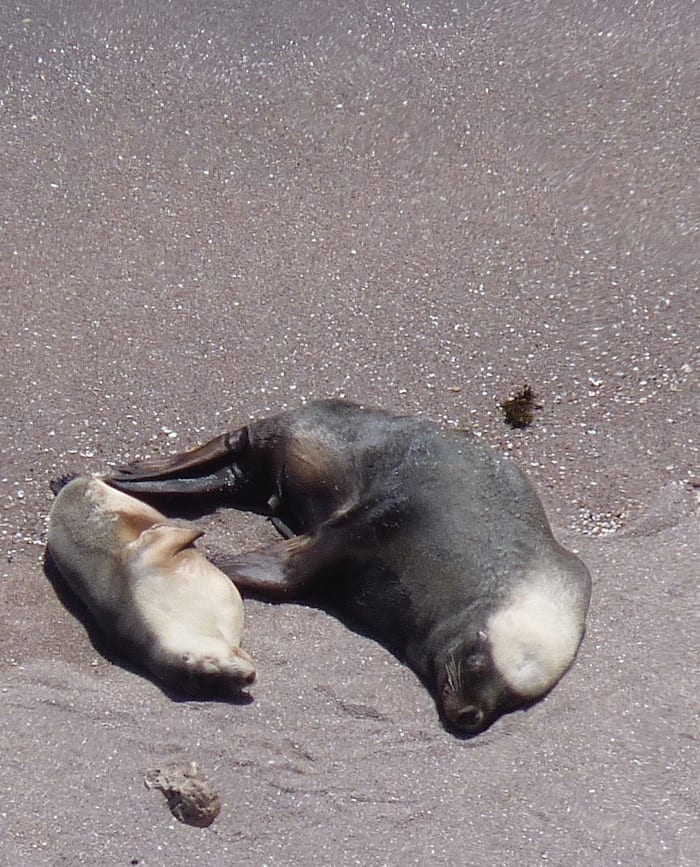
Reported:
(155, 597)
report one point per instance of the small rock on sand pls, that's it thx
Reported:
(190, 796)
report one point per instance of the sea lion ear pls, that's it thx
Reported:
(238, 440)
(163, 541)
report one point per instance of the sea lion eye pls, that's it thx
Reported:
(476, 663)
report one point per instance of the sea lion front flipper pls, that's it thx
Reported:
(283, 570)
(163, 541)
(293, 567)
(208, 469)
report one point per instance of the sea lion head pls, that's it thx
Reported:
(470, 692)
(516, 655)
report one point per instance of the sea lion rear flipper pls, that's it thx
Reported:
(204, 470)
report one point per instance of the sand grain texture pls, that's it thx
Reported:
(213, 211)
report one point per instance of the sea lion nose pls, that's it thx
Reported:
(469, 718)
(246, 672)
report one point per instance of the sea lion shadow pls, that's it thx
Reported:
(318, 602)
(185, 507)
(75, 606)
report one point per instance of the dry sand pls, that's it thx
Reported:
(211, 211)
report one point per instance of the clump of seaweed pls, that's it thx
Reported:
(519, 410)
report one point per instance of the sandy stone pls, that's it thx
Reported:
(190, 796)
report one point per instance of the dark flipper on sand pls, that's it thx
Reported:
(278, 571)
(207, 470)
(294, 567)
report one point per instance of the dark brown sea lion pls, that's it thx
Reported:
(438, 547)
(155, 597)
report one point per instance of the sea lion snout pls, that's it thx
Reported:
(244, 667)
(468, 692)
(248, 678)
(469, 713)
(216, 670)
(242, 676)
(467, 719)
